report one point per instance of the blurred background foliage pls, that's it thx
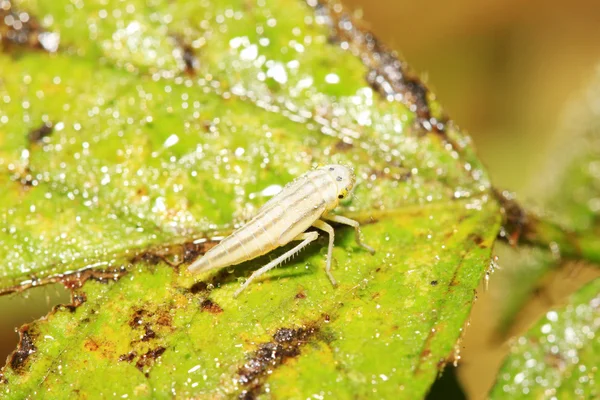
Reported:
(505, 71)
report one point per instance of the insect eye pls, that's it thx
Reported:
(331, 168)
(341, 196)
(339, 178)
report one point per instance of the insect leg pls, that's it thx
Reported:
(347, 221)
(324, 226)
(306, 239)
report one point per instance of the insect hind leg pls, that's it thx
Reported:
(306, 238)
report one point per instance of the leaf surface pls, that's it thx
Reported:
(157, 125)
(558, 356)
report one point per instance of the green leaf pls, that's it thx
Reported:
(558, 356)
(155, 127)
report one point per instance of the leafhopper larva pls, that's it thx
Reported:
(304, 202)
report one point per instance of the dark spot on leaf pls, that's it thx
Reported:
(148, 333)
(76, 280)
(206, 286)
(342, 146)
(441, 364)
(147, 360)
(300, 295)
(199, 287)
(25, 348)
(128, 357)
(210, 306)
(173, 255)
(434, 283)
(517, 222)
(478, 240)
(37, 135)
(192, 251)
(69, 307)
(26, 179)
(286, 344)
(19, 30)
(189, 58)
(147, 257)
(387, 75)
(78, 299)
(137, 319)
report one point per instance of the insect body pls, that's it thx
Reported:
(303, 203)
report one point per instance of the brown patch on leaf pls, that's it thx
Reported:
(287, 343)
(21, 30)
(343, 146)
(148, 333)
(203, 288)
(190, 60)
(516, 221)
(149, 325)
(199, 287)
(18, 358)
(137, 318)
(476, 238)
(128, 357)
(91, 345)
(146, 360)
(300, 295)
(164, 318)
(74, 280)
(146, 257)
(173, 255)
(37, 135)
(71, 280)
(387, 74)
(188, 56)
(78, 298)
(521, 227)
(210, 306)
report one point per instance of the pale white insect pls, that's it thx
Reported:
(304, 202)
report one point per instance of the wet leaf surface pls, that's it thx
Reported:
(558, 356)
(153, 126)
